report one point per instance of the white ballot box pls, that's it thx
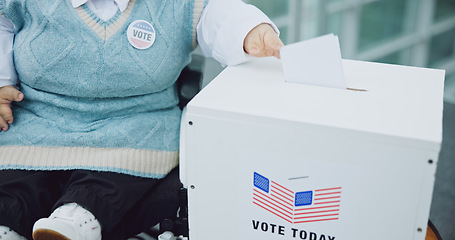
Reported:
(269, 160)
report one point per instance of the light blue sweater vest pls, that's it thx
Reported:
(92, 100)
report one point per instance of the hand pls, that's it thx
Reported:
(8, 94)
(263, 41)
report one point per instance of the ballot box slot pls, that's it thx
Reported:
(357, 89)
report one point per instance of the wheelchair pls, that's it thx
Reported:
(189, 84)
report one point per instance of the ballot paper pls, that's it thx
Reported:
(315, 61)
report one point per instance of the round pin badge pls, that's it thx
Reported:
(141, 34)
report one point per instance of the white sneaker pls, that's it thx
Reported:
(7, 233)
(68, 222)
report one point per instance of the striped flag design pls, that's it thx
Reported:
(296, 207)
(140, 43)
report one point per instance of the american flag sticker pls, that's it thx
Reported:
(261, 182)
(141, 34)
(296, 207)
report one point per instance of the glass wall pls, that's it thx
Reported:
(384, 21)
(407, 32)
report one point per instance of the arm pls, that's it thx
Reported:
(8, 74)
(8, 77)
(230, 29)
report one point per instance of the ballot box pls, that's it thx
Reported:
(270, 160)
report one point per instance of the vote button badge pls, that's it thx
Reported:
(141, 34)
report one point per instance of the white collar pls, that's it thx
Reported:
(122, 4)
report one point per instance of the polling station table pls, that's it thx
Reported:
(265, 159)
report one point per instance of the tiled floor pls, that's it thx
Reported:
(442, 212)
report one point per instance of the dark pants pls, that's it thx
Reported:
(124, 205)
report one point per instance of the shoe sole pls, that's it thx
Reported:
(46, 234)
(50, 229)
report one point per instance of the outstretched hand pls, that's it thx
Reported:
(8, 94)
(263, 41)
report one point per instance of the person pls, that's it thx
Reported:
(88, 107)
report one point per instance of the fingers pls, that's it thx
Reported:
(252, 44)
(263, 41)
(5, 113)
(3, 125)
(272, 43)
(6, 116)
(10, 94)
(275, 45)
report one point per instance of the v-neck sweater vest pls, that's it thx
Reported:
(92, 100)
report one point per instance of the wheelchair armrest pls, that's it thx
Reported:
(189, 84)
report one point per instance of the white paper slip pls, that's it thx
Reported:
(315, 61)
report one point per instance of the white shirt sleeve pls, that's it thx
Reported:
(222, 29)
(8, 74)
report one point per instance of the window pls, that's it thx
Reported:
(407, 32)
